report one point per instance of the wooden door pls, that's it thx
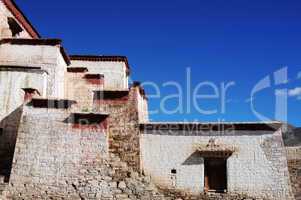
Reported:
(215, 175)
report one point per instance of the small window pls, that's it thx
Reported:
(14, 26)
(1, 131)
(173, 171)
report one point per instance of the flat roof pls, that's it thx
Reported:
(212, 126)
(103, 58)
(51, 103)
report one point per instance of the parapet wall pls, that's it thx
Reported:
(115, 72)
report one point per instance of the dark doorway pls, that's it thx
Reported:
(215, 175)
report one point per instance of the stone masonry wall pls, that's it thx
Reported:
(123, 127)
(50, 153)
(78, 88)
(9, 128)
(294, 166)
(57, 160)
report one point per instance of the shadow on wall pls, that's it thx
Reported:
(194, 159)
(292, 137)
(8, 134)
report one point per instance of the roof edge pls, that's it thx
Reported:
(213, 126)
(97, 58)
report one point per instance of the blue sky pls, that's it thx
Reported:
(237, 41)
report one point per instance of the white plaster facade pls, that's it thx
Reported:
(250, 170)
(11, 84)
(31, 55)
(49, 80)
(142, 108)
(5, 32)
(115, 74)
(257, 167)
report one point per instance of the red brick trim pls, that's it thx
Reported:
(19, 67)
(88, 120)
(95, 79)
(25, 41)
(52, 103)
(215, 153)
(77, 69)
(111, 95)
(94, 76)
(30, 93)
(95, 58)
(19, 15)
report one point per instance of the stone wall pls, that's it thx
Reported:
(80, 89)
(294, 166)
(257, 167)
(123, 126)
(112, 179)
(50, 152)
(56, 159)
(9, 128)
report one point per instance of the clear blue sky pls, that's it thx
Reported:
(221, 41)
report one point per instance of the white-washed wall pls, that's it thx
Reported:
(258, 167)
(142, 108)
(4, 28)
(48, 58)
(11, 84)
(115, 77)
